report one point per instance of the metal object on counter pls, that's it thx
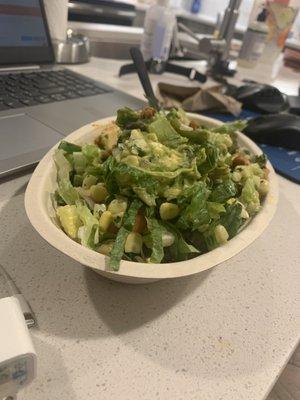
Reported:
(74, 50)
(206, 45)
(216, 50)
(228, 24)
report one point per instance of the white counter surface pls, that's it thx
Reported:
(224, 334)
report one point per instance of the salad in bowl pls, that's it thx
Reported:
(157, 187)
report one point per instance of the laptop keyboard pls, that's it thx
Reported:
(32, 88)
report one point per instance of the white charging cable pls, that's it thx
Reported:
(15, 292)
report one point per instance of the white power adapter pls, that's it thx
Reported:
(17, 355)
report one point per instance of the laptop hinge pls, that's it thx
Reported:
(16, 68)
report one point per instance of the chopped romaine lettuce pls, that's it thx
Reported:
(232, 219)
(125, 116)
(67, 192)
(80, 162)
(215, 209)
(165, 133)
(250, 197)
(223, 191)
(69, 147)
(90, 231)
(211, 159)
(196, 213)
(91, 152)
(128, 223)
(155, 187)
(63, 166)
(156, 233)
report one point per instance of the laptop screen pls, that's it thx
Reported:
(24, 36)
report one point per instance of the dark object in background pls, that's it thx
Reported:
(159, 68)
(276, 130)
(294, 104)
(264, 99)
(102, 12)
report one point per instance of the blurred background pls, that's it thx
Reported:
(201, 16)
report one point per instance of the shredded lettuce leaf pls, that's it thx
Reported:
(232, 219)
(67, 192)
(180, 250)
(250, 197)
(223, 192)
(63, 166)
(165, 133)
(125, 116)
(195, 214)
(118, 248)
(69, 147)
(90, 226)
(156, 232)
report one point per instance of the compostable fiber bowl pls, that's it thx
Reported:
(42, 216)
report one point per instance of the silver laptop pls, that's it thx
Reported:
(41, 103)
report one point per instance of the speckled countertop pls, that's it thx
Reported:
(224, 334)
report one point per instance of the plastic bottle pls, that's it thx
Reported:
(158, 31)
(280, 15)
(255, 37)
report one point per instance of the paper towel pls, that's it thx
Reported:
(57, 17)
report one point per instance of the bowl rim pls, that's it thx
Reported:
(39, 217)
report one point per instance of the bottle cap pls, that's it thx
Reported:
(262, 16)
